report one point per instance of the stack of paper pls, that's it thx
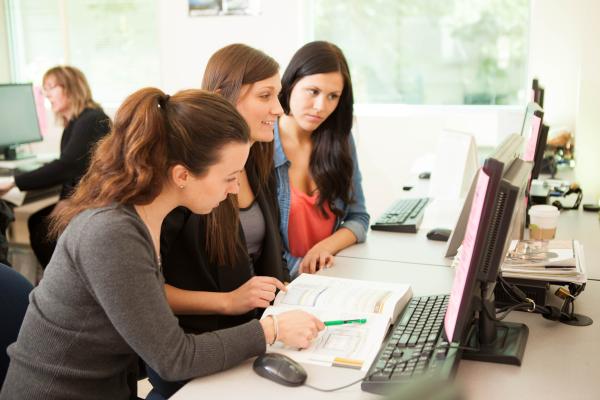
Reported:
(552, 261)
(14, 195)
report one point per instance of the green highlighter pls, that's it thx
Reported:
(345, 321)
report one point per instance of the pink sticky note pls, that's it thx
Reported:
(466, 253)
(535, 131)
(41, 110)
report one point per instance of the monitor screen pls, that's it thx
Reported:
(18, 114)
(486, 240)
(527, 128)
(486, 186)
(506, 153)
(460, 297)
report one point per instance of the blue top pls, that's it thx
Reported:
(355, 215)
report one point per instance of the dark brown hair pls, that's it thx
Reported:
(226, 72)
(75, 87)
(331, 163)
(153, 132)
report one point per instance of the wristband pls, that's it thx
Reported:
(275, 328)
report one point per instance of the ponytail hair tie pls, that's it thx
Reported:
(162, 101)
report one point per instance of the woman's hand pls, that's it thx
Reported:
(315, 259)
(257, 292)
(294, 328)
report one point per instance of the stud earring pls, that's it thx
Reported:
(181, 186)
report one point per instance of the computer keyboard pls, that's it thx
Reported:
(404, 216)
(416, 346)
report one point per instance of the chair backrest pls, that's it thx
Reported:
(14, 299)
(6, 217)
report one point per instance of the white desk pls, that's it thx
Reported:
(412, 248)
(585, 227)
(560, 360)
(415, 248)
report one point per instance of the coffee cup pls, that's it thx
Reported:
(543, 220)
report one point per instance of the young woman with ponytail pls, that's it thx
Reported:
(222, 269)
(102, 302)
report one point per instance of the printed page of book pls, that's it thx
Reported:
(353, 345)
(348, 295)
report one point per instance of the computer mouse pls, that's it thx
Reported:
(440, 234)
(280, 368)
(425, 175)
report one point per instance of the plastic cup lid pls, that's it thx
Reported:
(543, 210)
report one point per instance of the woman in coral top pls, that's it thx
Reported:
(318, 180)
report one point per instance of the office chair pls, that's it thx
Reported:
(14, 299)
(6, 217)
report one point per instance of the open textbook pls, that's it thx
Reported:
(346, 345)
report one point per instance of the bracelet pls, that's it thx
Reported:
(275, 328)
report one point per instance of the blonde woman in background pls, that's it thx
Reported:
(84, 124)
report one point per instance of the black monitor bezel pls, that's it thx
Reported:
(493, 169)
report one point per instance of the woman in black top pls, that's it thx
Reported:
(210, 289)
(85, 123)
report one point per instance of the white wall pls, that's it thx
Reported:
(186, 43)
(564, 56)
(587, 117)
(4, 64)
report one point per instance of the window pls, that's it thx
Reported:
(430, 51)
(114, 42)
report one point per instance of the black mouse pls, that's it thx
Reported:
(280, 368)
(440, 234)
(425, 175)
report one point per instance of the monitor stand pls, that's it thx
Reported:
(494, 341)
(508, 346)
(11, 154)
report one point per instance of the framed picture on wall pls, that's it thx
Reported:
(204, 7)
(223, 7)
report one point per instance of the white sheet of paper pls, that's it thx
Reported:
(14, 195)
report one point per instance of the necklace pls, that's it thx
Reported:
(155, 240)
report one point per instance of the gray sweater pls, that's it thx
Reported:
(100, 303)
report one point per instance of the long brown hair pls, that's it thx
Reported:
(330, 163)
(153, 132)
(76, 89)
(226, 72)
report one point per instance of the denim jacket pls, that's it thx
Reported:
(355, 217)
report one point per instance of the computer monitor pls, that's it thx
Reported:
(19, 123)
(510, 148)
(470, 319)
(540, 147)
(532, 109)
(537, 92)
